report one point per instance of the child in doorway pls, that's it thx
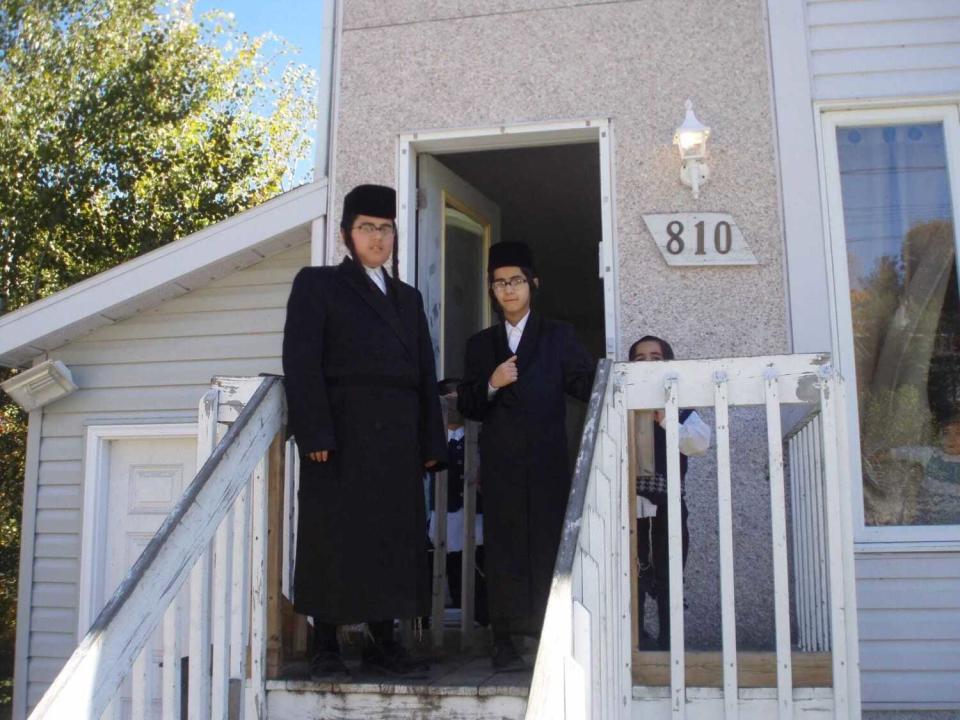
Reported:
(652, 548)
(456, 446)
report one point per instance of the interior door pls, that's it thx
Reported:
(456, 224)
(147, 477)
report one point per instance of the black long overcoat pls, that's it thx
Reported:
(360, 381)
(524, 466)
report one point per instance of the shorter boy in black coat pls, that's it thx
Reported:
(517, 375)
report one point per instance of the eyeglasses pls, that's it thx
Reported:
(385, 230)
(513, 283)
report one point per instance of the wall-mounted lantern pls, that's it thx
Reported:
(691, 139)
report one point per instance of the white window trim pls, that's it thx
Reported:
(96, 468)
(941, 537)
(515, 135)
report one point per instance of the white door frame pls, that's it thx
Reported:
(874, 538)
(96, 470)
(517, 135)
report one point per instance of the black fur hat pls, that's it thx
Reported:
(509, 254)
(373, 200)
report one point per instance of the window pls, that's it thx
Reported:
(890, 177)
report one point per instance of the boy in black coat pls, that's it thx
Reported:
(517, 375)
(362, 403)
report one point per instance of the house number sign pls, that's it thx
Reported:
(699, 239)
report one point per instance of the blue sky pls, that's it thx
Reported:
(297, 21)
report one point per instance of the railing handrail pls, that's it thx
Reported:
(88, 681)
(572, 520)
(556, 634)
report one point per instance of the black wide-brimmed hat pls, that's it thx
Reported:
(509, 254)
(374, 200)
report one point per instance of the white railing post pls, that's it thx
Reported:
(832, 460)
(198, 693)
(821, 614)
(800, 478)
(781, 579)
(622, 580)
(468, 580)
(140, 684)
(259, 590)
(240, 598)
(678, 690)
(172, 633)
(439, 584)
(222, 618)
(728, 614)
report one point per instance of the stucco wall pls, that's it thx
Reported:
(417, 65)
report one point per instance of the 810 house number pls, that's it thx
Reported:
(699, 239)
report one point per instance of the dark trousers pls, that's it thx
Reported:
(455, 580)
(654, 556)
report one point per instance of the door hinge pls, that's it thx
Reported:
(421, 199)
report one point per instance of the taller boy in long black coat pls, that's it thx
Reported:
(361, 393)
(524, 465)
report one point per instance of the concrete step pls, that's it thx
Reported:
(455, 688)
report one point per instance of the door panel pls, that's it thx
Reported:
(456, 225)
(146, 478)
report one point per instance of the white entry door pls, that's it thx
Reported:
(456, 224)
(146, 477)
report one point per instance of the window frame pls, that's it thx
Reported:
(947, 113)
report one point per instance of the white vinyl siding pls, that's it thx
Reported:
(883, 48)
(909, 614)
(152, 367)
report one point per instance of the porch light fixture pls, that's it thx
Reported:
(40, 385)
(691, 139)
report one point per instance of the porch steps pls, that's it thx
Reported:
(454, 689)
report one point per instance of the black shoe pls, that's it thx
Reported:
(327, 664)
(391, 659)
(505, 657)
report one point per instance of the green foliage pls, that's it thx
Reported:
(122, 129)
(13, 431)
(124, 124)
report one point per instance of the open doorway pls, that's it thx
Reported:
(547, 197)
(459, 192)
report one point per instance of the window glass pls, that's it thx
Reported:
(906, 320)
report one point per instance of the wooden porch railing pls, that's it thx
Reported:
(583, 661)
(208, 586)
(587, 648)
(224, 509)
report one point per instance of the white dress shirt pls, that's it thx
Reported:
(514, 335)
(515, 332)
(376, 274)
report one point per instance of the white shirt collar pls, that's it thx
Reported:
(456, 433)
(376, 274)
(519, 326)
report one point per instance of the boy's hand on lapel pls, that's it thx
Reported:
(319, 456)
(505, 374)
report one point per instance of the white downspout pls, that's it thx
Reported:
(327, 109)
